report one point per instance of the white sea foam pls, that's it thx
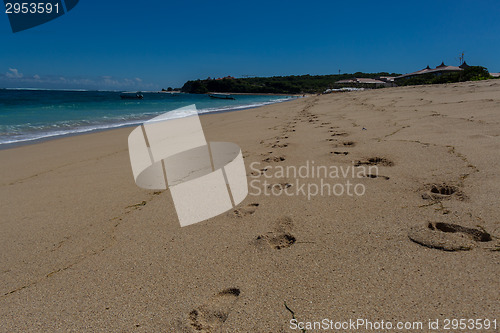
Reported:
(41, 132)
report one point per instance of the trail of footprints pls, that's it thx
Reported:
(440, 235)
(436, 235)
(210, 316)
(288, 128)
(278, 143)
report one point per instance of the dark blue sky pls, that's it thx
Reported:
(153, 44)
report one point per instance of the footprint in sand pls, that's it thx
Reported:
(280, 237)
(138, 205)
(209, 317)
(255, 173)
(274, 159)
(335, 133)
(448, 236)
(443, 191)
(373, 176)
(269, 153)
(279, 187)
(245, 210)
(339, 152)
(375, 161)
(278, 145)
(345, 144)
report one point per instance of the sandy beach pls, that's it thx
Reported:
(83, 249)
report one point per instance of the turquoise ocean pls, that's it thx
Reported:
(27, 116)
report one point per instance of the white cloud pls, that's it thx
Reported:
(138, 79)
(36, 77)
(13, 73)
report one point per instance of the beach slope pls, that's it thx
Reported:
(83, 248)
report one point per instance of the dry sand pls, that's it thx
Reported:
(82, 248)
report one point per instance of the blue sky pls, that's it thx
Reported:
(153, 44)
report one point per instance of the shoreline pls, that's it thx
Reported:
(255, 94)
(6, 146)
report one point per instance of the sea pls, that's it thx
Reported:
(30, 115)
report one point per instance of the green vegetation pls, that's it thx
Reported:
(302, 84)
(274, 85)
(472, 73)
